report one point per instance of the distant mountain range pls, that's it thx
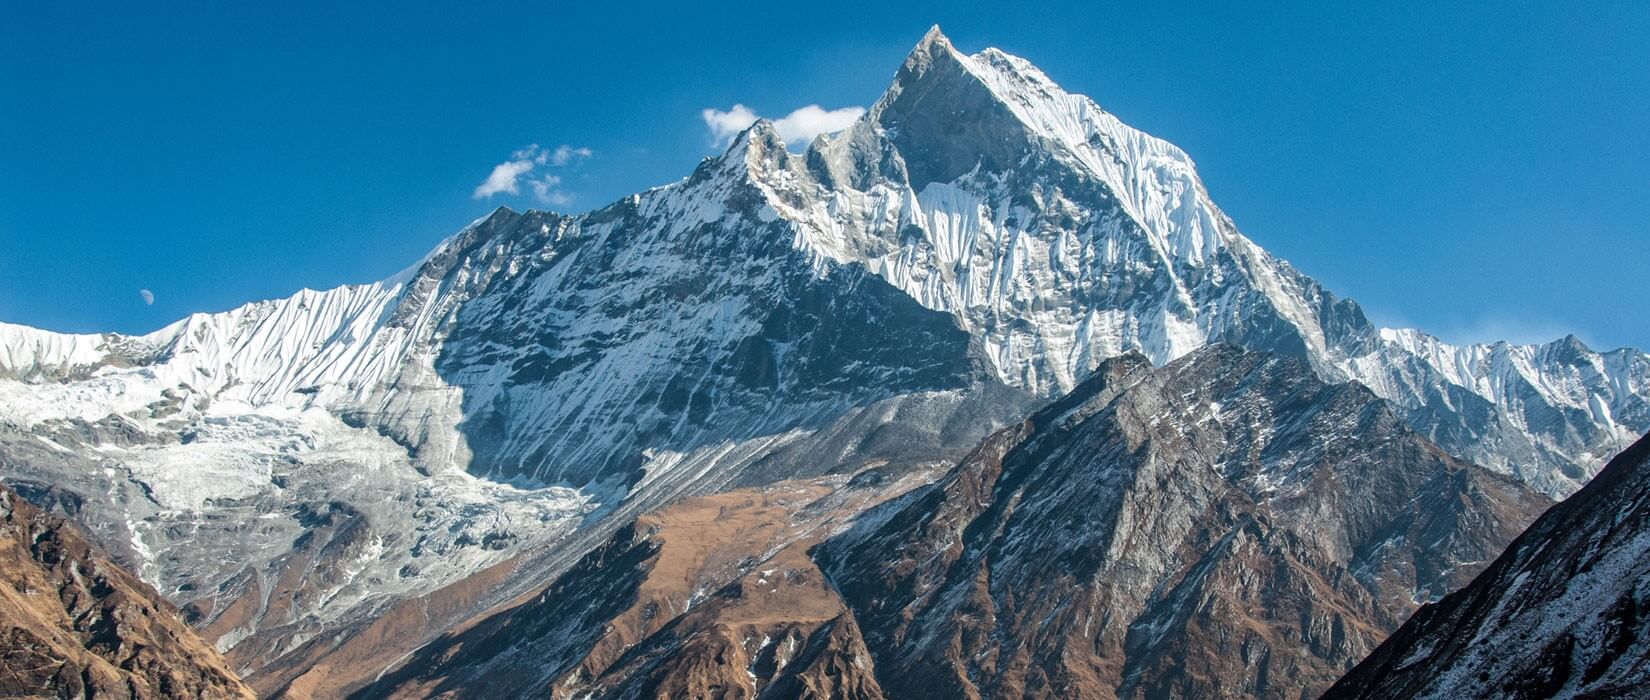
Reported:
(299, 475)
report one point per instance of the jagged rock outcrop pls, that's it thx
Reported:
(73, 624)
(1560, 614)
(1225, 526)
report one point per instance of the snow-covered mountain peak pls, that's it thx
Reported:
(1061, 236)
(980, 240)
(934, 45)
(981, 188)
(994, 121)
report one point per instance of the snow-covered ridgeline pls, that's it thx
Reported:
(32, 354)
(311, 347)
(1608, 388)
(266, 352)
(260, 353)
(1560, 369)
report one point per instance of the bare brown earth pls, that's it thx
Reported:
(712, 597)
(271, 606)
(319, 671)
(73, 624)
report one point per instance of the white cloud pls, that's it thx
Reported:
(148, 297)
(503, 178)
(546, 189)
(726, 125)
(507, 177)
(565, 154)
(798, 127)
(804, 124)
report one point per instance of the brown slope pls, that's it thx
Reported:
(1563, 612)
(711, 597)
(334, 667)
(75, 624)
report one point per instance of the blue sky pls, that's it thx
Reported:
(1473, 171)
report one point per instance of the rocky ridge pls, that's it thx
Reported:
(1225, 526)
(1560, 614)
(75, 624)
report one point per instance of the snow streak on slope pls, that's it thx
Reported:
(261, 353)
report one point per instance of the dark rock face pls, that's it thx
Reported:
(73, 624)
(1561, 613)
(1226, 526)
(547, 635)
(944, 123)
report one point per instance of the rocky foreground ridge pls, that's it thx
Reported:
(1560, 614)
(74, 624)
